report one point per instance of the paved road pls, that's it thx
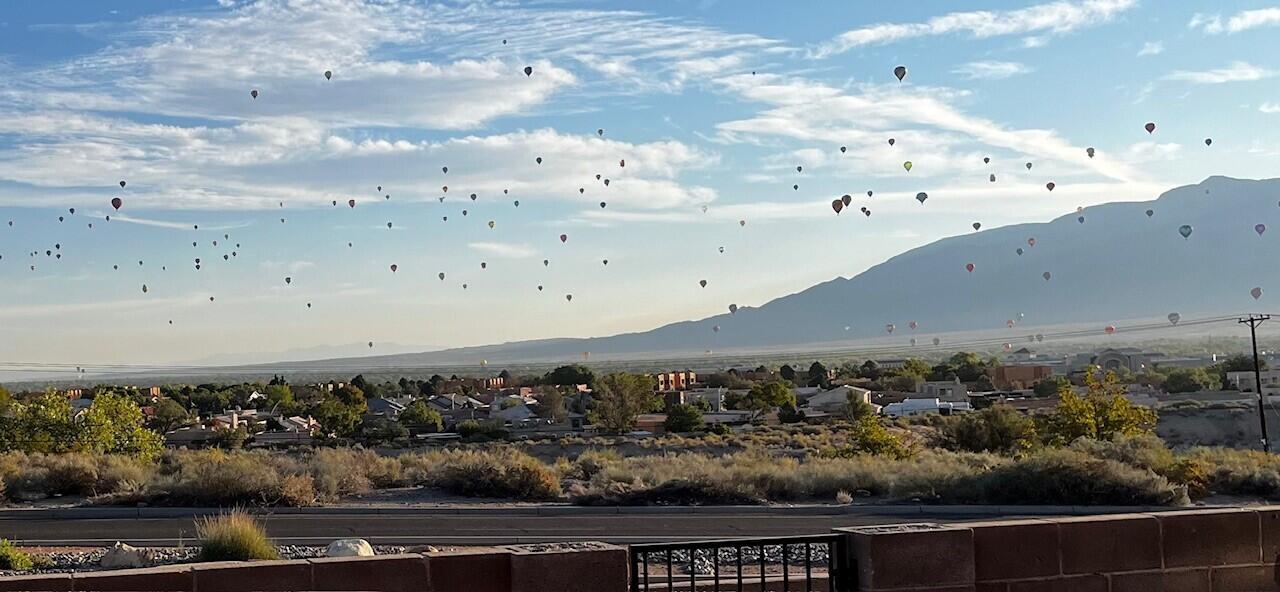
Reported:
(488, 529)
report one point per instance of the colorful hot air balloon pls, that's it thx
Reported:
(1150, 127)
(969, 267)
(900, 72)
(1185, 230)
(1109, 329)
(907, 165)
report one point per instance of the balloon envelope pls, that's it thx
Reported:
(900, 72)
(1185, 230)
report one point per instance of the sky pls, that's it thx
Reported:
(730, 118)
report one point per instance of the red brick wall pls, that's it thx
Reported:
(512, 569)
(1218, 550)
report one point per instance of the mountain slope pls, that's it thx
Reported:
(1119, 263)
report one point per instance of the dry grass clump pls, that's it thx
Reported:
(235, 536)
(37, 475)
(500, 472)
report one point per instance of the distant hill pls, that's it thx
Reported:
(1119, 263)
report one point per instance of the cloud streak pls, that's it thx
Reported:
(1234, 72)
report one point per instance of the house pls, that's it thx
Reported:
(384, 408)
(450, 402)
(293, 430)
(891, 364)
(675, 381)
(834, 400)
(712, 397)
(912, 407)
(514, 414)
(1018, 376)
(947, 390)
(1246, 383)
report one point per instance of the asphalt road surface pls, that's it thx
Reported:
(486, 529)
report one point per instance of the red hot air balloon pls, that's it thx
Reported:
(969, 267)
(116, 202)
(1110, 329)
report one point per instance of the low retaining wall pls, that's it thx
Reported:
(1219, 550)
(516, 568)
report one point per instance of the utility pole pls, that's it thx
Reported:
(1253, 321)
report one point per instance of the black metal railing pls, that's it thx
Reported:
(787, 564)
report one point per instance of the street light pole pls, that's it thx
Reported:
(1253, 321)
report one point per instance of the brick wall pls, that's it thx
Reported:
(1218, 550)
(503, 569)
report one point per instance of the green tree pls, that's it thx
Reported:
(1101, 414)
(856, 408)
(620, 397)
(869, 370)
(1190, 380)
(763, 398)
(169, 415)
(570, 375)
(787, 372)
(421, 416)
(684, 418)
(818, 375)
(905, 383)
(338, 417)
(789, 414)
(999, 428)
(1235, 363)
(551, 404)
(1051, 386)
(114, 424)
(915, 367)
(280, 397)
(868, 436)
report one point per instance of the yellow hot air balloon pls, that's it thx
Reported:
(907, 165)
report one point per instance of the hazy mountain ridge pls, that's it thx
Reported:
(1118, 264)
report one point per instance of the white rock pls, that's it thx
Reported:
(121, 555)
(349, 548)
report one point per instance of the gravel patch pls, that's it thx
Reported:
(88, 560)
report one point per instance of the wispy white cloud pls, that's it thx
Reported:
(1213, 24)
(991, 70)
(1237, 71)
(1269, 108)
(1151, 48)
(1051, 18)
(504, 250)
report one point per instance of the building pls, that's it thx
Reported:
(834, 400)
(1135, 360)
(384, 408)
(1245, 382)
(1018, 377)
(947, 390)
(911, 407)
(675, 381)
(713, 398)
(891, 364)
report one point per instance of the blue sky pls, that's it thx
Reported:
(710, 104)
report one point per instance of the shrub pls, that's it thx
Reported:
(998, 428)
(1069, 477)
(13, 558)
(504, 472)
(235, 536)
(679, 492)
(298, 490)
(684, 418)
(217, 478)
(868, 436)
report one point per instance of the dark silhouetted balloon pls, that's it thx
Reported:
(969, 267)
(1049, 185)
(900, 72)
(328, 75)
(528, 70)
(116, 202)
(254, 93)
(977, 225)
(1089, 151)
(837, 205)
(1185, 230)
(1150, 127)
(920, 197)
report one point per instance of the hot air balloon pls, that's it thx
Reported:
(484, 265)
(986, 160)
(907, 165)
(1208, 141)
(795, 188)
(440, 275)
(546, 262)
(1151, 213)
(600, 132)
(1031, 242)
(846, 199)
(564, 238)
(866, 212)
(606, 182)
(977, 225)
(394, 267)
(715, 328)
(473, 197)
(969, 267)
(892, 141)
(491, 224)
(799, 169)
(920, 197)
(733, 308)
(1028, 166)
(1080, 219)
(144, 288)
(837, 205)
(1259, 228)
(1049, 185)
(538, 160)
(992, 177)
(116, 203)
(72, 211)
(328, 74)
(721, 249)
(288, 280)
(900, 72)
(702, 283)
(1110, 329)
(1150, 127)
(889, 328)
(444, 188)
(602, 205)
(622, 163)
(528, 70)
(869, 193)
(742, 222)
(843, 149)
(122, 184)
(568, 297)
(1089, 151)
(388, 225)
(1046, 275)
(1185, 230)
(605, 261)
(254, 93)
(1174, 318)
(539, 287)
(370, 344)
(1256, 293)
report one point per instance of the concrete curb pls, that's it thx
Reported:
(108, 513)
